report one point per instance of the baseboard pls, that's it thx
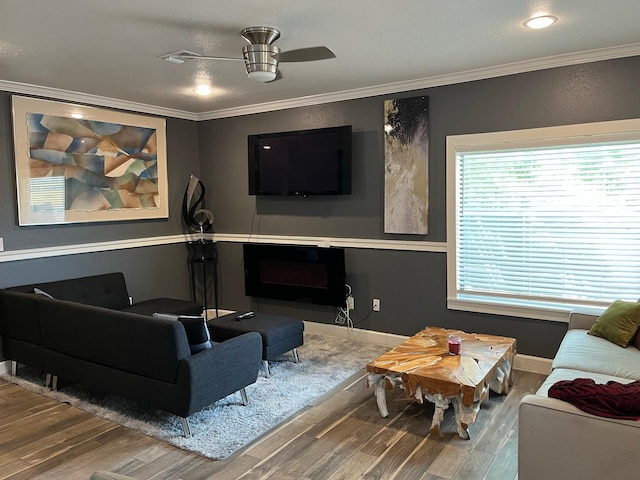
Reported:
(525, 363)
(356, 334)
(528, 363)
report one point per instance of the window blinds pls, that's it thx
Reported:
(549, 225)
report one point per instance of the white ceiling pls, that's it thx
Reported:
(98, 50)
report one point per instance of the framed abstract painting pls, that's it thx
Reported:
(85, 164)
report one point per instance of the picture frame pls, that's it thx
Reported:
(77, 163)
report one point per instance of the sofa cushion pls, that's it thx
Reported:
(107, 290)
(581, 351)
(619, 323)
(137, 344)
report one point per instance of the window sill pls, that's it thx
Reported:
(553, 314)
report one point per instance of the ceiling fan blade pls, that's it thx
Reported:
(182, 55)
(206, 57)
(309, 54)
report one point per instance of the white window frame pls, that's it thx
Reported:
(613, 131)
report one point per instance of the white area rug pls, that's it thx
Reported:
(222, 428)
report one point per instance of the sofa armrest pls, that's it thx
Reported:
(583, 319)
(558, 441)
(220, 370)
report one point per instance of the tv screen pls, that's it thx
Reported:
(296, 273)
(304, 162)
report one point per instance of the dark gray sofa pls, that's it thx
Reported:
(140, 357)
(22, 340)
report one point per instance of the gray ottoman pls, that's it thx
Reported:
(279, 334)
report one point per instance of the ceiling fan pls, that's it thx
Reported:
(261, 57)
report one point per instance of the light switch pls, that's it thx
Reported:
(1, 244)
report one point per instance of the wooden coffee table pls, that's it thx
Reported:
(423, 367)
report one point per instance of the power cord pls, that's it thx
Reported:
(363, 318)
(343, 316)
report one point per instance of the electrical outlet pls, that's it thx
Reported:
(350, 303)
(376, 305)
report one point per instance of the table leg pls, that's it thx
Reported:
(380, 383)
(441, 403)
(461, 426)
(500, 381)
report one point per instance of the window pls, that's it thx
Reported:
(543, 221)
(46, 196)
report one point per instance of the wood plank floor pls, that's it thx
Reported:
(340, 437)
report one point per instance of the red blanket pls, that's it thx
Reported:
(612, 400)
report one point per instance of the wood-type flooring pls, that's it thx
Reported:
(341, 436)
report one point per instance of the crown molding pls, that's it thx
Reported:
(354, 94)
(429, 82)
(94, 100)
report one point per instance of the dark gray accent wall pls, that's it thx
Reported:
(411, 285)
(182, 160)
(159, 271)
(149, 271)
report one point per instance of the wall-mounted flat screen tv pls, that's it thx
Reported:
(296, 273)
(304, 162)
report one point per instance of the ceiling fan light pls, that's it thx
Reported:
(262, 76)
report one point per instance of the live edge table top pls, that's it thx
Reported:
(423, 366)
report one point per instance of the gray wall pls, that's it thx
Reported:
(411, 285)
(150, 272)
(182, 160)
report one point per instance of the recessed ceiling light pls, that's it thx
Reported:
(541, 21)
(203, 90)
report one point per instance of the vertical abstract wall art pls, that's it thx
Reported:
(84, 164)
(406, 165)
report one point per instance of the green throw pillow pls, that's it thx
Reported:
(618, 323)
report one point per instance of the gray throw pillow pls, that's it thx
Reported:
(196, 329)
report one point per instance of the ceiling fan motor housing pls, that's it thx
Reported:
(261, 61)
(260, 35)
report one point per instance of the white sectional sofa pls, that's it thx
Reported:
(557, 440)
